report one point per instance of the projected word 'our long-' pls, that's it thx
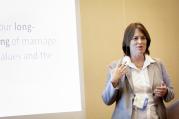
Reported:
(16, 27)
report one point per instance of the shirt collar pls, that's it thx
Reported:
(148, 61)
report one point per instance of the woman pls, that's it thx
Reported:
(137, 83)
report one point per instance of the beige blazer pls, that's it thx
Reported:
(123, 96)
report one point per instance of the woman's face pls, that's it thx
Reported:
(138, 43)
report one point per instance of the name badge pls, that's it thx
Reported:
(140, 101)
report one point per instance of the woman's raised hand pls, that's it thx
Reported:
(117, 73)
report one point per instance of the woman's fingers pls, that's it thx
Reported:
(119, 71)
(122, 65)
(160, 91)
(124, 70)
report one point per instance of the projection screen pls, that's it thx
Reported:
(40, 60)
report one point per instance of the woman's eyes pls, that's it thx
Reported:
(135, 38)
(142, 38)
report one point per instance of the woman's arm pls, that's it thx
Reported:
(170, 93)
(113, 88)
(110, 93)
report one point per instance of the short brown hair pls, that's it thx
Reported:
(128, 35)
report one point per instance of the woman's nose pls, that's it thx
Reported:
(139, 40)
